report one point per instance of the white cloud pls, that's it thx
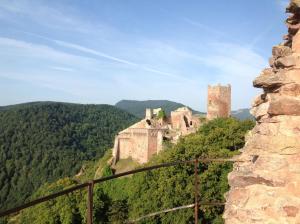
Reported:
(94, 52)
(62, 17)
(39, 51)
(117, 59)
(63, 69)
(234, 59)
(43, 51)
(210, 29)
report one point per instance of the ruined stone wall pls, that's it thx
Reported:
(218, 101)
(160, 138)
(177, 119)
(132, 144)
(126, 145)
(145, 138)
(267, 189)
(140, 139)
(152, 142)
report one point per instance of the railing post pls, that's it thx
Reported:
(196, 190)
(90, 203)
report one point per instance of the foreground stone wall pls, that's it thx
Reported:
(218, 101)
(267, 189)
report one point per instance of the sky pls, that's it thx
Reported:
(100, 52)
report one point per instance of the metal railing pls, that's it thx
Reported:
(90, 186)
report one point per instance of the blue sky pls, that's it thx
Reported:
(103, 51)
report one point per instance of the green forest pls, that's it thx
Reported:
(44, 141)
(129, 198)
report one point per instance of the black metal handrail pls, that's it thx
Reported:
(90, 186)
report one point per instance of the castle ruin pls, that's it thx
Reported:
(145, 138)
(218, 101)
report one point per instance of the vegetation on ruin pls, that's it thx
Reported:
(42, 142)
(140, 194)
(161, 114)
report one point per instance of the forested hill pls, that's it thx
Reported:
(138, 108)
(43, 141)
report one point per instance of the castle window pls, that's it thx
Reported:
(148, 122)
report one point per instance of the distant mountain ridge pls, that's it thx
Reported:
(138, 108)
(242, 114)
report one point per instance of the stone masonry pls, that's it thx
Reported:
(266, 190)
(218, 101)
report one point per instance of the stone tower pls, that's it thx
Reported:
(218, 101)
(265, 187)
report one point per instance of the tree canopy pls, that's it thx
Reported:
(42, 142)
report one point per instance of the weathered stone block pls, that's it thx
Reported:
(281, 51)
(292, 89)
(285, 62)
(268, 79)
(260, 110)
(296, 43)
(284, 105)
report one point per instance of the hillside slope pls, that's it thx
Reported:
(43, 141)
(138, 108)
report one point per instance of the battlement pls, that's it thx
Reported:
(219, 88)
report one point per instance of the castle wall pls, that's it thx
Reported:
(160, 137)
(155, 142)
(181, 119)
(125, 144)
(218, 101)
(176, 120)
(140, 145)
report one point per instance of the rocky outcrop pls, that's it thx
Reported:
(266, 189)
